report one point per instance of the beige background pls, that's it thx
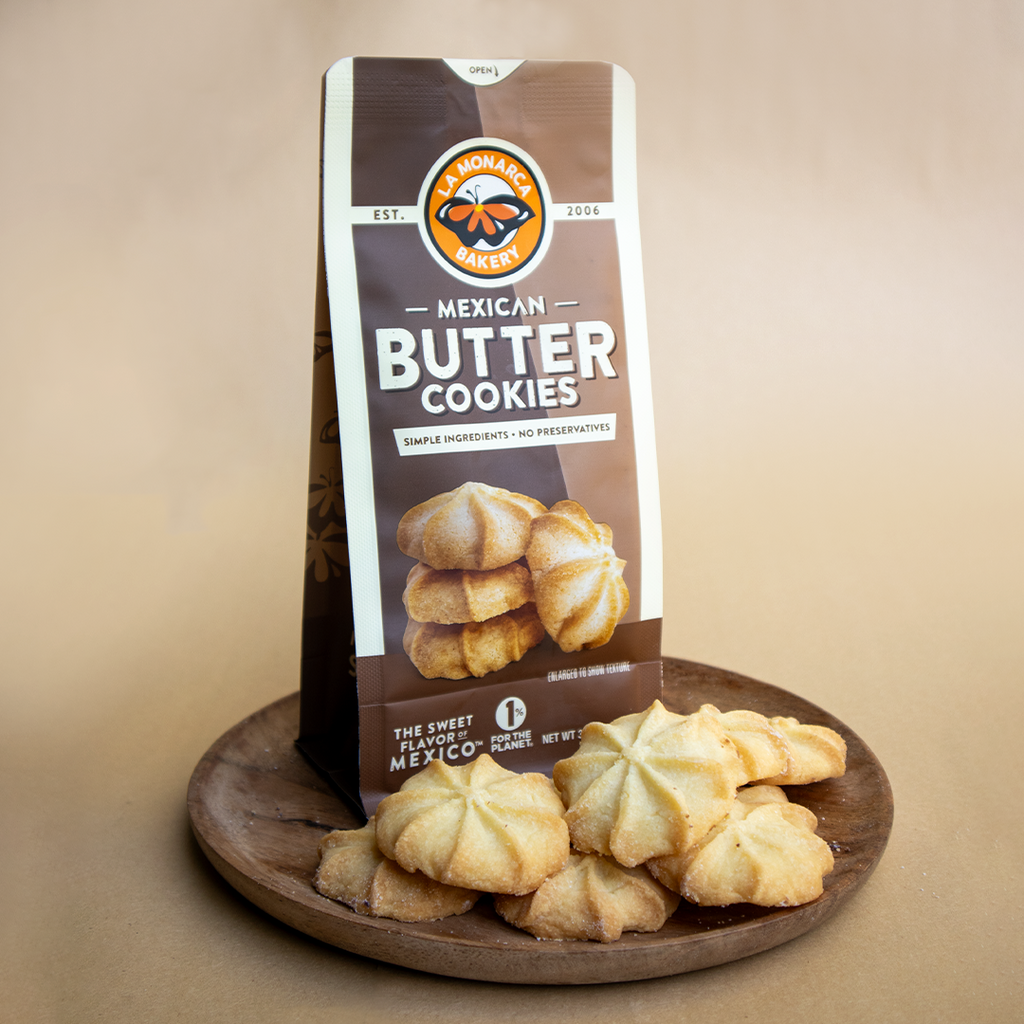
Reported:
(832, 201)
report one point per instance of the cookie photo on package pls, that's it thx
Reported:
(488, 576)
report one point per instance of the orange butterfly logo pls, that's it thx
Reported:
(491, 221)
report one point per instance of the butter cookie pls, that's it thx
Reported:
(815, 753)
(460, 650)
(465, 595)
(763, 750)
(577, 577)
(648, 784)
(353, 871)
(592, 897)
(763, 852)
(475, 526)
(477, 826)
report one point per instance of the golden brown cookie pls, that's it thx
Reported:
(577, 577)
(764, 852)
(648, 784)
(353, 871)
(477, 825)
(476, 526)
(592, 897)
(465, 595)
(762, 748)
(815, 753)
(461, 650)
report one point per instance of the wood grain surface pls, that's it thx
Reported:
(258, 810)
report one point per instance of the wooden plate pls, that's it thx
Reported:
(258, 811)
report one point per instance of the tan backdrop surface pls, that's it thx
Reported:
(832, 203)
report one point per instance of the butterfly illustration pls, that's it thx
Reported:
(491, 221)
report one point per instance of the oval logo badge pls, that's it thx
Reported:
(484, 212)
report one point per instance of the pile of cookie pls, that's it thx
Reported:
(652, 807)
(495, 571)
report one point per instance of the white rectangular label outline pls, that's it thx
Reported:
(533, 433)
(634, 309)
(349, 368)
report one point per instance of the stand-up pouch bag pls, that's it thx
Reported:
(489, 577)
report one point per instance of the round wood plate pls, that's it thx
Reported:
(258, 810)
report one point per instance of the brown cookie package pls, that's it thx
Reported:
(484, 538)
